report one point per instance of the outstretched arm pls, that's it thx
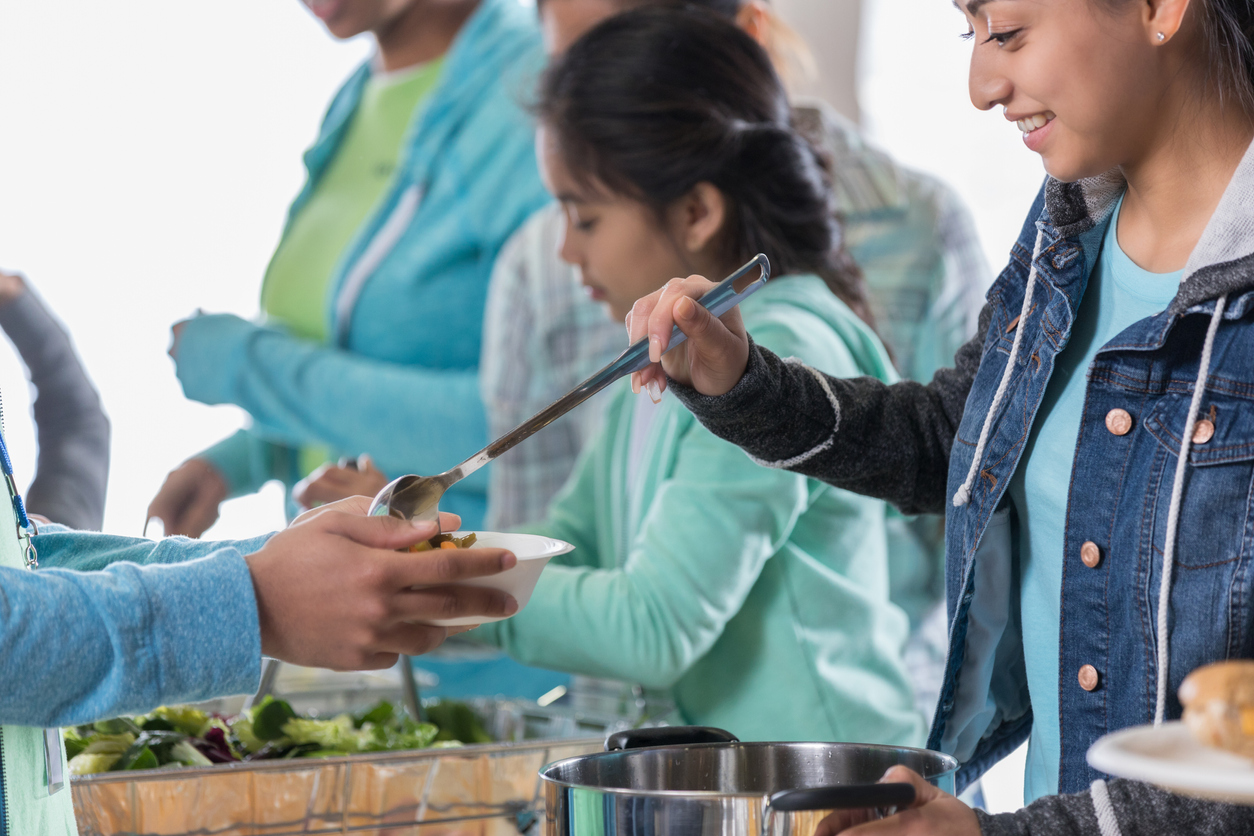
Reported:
(407, 418)
(891, 442)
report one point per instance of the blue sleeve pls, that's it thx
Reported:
(407, 418)
(247, 461)
(59, 547)
(80, 646)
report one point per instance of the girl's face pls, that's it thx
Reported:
(349, 18)
(1086, 85)
(623, 250)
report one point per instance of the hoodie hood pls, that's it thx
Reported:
(1222, 263)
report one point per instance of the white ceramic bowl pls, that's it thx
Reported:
(533, 553)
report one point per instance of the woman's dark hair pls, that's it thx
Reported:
(1227, 33)
(653, 101)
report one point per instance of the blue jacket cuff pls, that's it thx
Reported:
(210, 349)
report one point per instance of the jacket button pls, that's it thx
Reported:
(1119, 422)
(1088, 677)
(1203, 431)
(1090, 554)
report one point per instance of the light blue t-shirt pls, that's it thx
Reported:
(1118, 294)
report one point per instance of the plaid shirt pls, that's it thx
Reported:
(912, 237)
(542, 335)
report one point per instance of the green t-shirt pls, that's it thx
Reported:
(295, 288)
(296, 281)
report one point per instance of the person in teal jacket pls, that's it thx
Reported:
(756, 597)
(374, 299)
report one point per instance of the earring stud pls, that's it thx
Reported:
(1161, 37)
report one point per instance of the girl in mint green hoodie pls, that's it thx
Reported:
(758, 598)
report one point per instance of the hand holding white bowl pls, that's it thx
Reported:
(533, 552)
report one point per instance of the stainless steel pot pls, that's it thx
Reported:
(698, 781)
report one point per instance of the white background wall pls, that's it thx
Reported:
(148, 150)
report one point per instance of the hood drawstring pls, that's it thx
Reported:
(1107, 822)
(1177, 496)
(964, 493)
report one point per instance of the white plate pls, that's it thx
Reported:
(533, 552)
(1168, 756)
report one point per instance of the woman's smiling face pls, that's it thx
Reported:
(1084, 82)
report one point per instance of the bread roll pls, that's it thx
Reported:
(1218, 705)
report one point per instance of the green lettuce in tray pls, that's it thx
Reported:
(177, 736)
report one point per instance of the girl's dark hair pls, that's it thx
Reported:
(653, 101)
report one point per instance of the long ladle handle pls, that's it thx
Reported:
(718, 301)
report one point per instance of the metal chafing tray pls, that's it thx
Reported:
(483, 790)
(486, 790)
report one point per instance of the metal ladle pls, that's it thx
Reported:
(418, 497)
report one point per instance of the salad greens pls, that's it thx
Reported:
(176, 736)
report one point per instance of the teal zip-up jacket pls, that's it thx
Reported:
(757, 597)
(106, 626)
(405, 306)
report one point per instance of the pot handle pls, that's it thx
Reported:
(846, 797)
(667, 736)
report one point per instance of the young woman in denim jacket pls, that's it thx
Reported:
(1093, 448)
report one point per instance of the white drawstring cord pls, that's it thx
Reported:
(1173, 515)
(1107, 823)
(964, 493)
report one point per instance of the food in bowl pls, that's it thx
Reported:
(445, 541)
(1218, 705)
(533, 552)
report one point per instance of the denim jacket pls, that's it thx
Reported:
(915, 445)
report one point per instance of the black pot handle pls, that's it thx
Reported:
(846, 797)
(667, 736)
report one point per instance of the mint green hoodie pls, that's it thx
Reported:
(757, 597)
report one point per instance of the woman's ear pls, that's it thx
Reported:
(1163, 18)
(697, 218)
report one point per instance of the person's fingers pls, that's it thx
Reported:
(300, 492)
(360, 506)
(357, 505)
(412, 639)
(330, 487)
(441, 567)
(842, 820)
(374, 661)
(200, 513)
(376, 532)
(653, 374)
(661, 323)
(638, 317)
(440, 603)
(164, 505)
(923, 791)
